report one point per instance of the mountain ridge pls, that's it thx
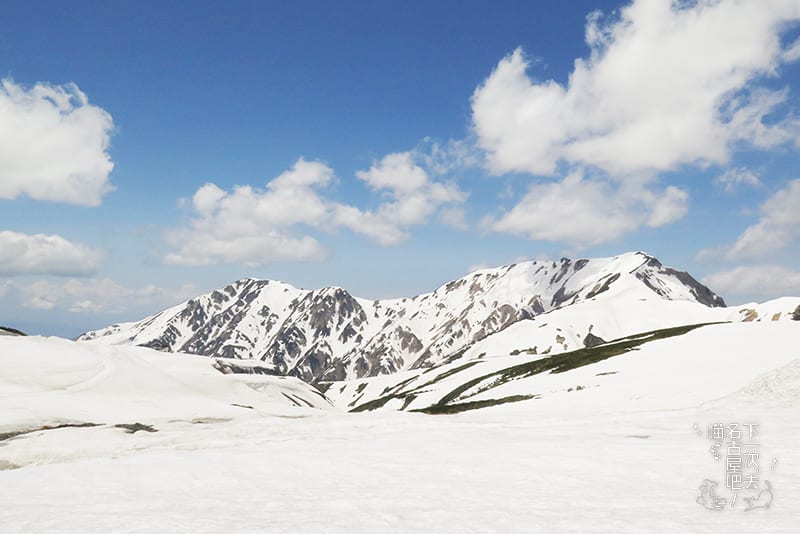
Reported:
(328, 334)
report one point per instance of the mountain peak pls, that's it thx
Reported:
(329, 334)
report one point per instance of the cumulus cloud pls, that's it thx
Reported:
(447, 157)
(454, 218)
(395, 172)
(777, 227)
(45, 254)
(731, 179)
(96, 295)
(411, 199)
(253, 227)
(53, 144)
(586, 212)
(666, 83)
(756, 281)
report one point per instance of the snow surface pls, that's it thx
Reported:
(622, 457)
(52, 381)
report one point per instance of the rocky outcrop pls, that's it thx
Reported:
(7, 331)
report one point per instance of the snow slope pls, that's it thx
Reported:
(544, 376)
(52, 382)
(627, 453)
(567, 328)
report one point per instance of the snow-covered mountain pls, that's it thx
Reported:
(328, 334)
(664, 368)
(147, 433)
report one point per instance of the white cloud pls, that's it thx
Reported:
(778, 226)
(767, 281)
(254, 227)
(412, 199)
(665, 84)
(22, 254)
(447, 157)
(666, 206)
(454, 218)
(96, 295)
(206, 198)
(792, 52)
(731, 179)
(4, 287)
(53, 144)
(585, 212)
(395, 172)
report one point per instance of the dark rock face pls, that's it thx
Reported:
(536, 307)
(561, 297)
(703, 294)
(7, 331)
(194, 314)
(287, 346)
(230, 367)
(408, 341)
(165, 342)
(603, 285)
(313, 363)
(580, 264)
(592, 340)
(796, 314)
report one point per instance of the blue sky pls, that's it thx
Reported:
(413, 141)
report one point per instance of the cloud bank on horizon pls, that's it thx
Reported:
(665, 86)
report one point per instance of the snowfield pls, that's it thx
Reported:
(217, 452)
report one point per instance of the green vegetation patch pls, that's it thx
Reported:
(438, 409)
(373, 404)
(8, 435)
(399, 385)
(408, 396)
(568, 361)
(451, 372)
(558, 363)
(322, 387)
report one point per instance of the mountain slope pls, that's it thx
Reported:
(328, 334)
(47, 382)
(651, 370)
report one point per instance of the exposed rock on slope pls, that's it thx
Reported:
(7, 331)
